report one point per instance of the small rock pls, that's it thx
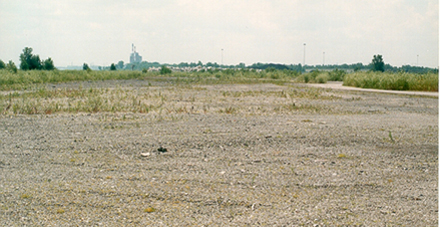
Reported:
(162, 150)
(145, 154)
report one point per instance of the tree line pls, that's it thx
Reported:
(30, 61)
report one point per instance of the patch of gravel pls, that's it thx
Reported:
(361, 159)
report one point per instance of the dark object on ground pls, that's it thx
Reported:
(162, 150)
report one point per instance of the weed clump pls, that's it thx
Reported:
(149, 210)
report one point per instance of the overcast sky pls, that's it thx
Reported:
(100, 32)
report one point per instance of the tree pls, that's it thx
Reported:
(112, 67)
(25, 57)
(28, 61)
(35, 62)
(121, 64)
(2, 65)
(48, 64)
(86, 67)
(11, 67)
(378, 64)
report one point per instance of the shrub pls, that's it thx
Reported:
(165, 70)
(337, 75)
(314, 74)
(48, 64)
(11, 67)
(306, 78)
(322, 78)
(2, 65)
(86, 66)
(112, 67)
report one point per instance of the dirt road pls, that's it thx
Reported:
(338, 85)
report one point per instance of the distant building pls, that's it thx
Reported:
(134, 56)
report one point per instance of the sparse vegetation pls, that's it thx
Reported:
(194, 149)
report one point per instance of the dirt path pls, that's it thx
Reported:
(338, 85)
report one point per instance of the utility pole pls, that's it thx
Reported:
(323, 58)
(417, 60)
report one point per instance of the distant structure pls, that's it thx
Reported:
(134, 56)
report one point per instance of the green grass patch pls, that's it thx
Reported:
(393, 81)
(25, 79)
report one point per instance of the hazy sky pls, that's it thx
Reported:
(101, 32)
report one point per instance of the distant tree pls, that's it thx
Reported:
(86, 67)
(48, 64)
(378, 64)
(35, 62)
(165, 70)
(11, 67)
(121, 64)
(112, 67)
(183, 64)
(25, 58)
(2, 65)
(28, 61)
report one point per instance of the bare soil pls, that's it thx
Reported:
(231, 155)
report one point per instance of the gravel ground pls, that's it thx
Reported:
(254, 156)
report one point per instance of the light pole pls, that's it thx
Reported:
(222, 56)
(304, 61)
(323, 58)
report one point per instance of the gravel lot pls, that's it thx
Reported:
(236, 155)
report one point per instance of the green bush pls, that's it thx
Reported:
(48, 64)
(165, 70)
(337, 75)
(11, 67)
(306, 78)
(86, 67)
(2, 65)
(322, 78)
